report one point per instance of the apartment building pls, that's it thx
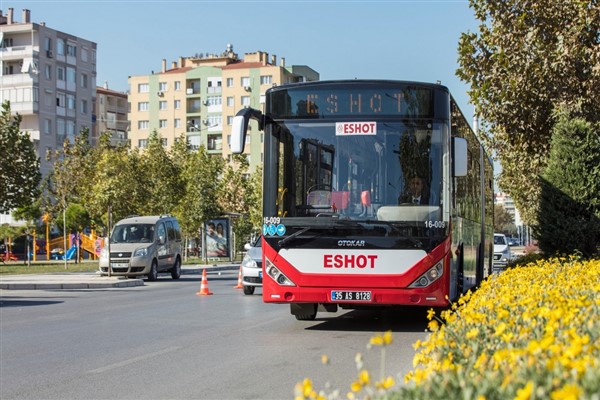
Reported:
(49, 77)
(110, 112)
(198, 96)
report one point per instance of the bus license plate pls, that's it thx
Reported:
(350, 295)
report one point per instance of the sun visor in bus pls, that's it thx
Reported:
(408, 213)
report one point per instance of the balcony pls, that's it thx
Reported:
(17, 53)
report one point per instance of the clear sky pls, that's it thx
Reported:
(393, 39)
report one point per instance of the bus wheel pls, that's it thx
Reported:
(304, 312)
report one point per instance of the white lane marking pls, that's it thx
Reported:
(133, 360)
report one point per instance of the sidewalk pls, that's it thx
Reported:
(92, 280)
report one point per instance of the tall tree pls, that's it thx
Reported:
(20, 174)
(115, 183)
(161, 178)
(529, 57)
(238, 195)
(570, 208)
(201, 174)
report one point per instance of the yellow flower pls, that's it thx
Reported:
(525, 393)
(430, 314)
(363, 377)
(568, 392)
(386, 383)
(433, 325)
(472, 333)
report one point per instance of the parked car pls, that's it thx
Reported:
(252, 266)
(502, 253)
(143, 246)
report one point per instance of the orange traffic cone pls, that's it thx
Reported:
(204, 285)
(239, 284)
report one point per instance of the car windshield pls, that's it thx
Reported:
(499, 240)
(133, 233)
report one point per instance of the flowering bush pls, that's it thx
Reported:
(529, 333)
(532, 332)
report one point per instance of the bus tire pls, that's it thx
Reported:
(304, 312)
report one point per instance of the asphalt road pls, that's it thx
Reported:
(163, 341)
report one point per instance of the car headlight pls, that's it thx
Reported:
(141, 252)
(248, 262)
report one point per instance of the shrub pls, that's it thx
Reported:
(528, 333)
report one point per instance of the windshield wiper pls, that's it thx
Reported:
(417, 243)
(292, 236)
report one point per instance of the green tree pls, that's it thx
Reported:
(503, 221)
(115, 183)
(238, 196)
(162, 184)
(570, 209)
(201, 176)
(20, 174)
(529, 57)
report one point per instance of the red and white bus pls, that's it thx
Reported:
(345, 224)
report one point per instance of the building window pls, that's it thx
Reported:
(230, 101)
(262, 99)
(143, 106)
(162, 123)
(48, 126)
(142, 143)
(71, 50)
(84, 80)
(84, 106)
(162, 86)
(214, 120)
(214, 100)
(48, 44)
(245, 81)
(71, 102)
(177, 104)
(143, 124)
(229, 82)
(177, 123)
(84, 54)
(162, 105)
(164, 142)
(266, 79)
(245, 100)
(230, 120)
(143, 87)
(48, 72)
(61, 100)
(60, 73)
(177, 85)
(60, 47)
(71, 75)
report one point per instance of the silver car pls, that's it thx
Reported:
(252, 266)
(143, 245)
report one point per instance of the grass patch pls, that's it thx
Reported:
(46, 267)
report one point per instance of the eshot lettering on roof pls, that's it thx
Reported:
(355, 128)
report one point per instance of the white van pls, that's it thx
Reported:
(143, 246)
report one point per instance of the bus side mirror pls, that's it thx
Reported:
(239, 128)
(238, 135)
(459, 156)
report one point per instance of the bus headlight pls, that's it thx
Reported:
(276, 274)
(431, 275)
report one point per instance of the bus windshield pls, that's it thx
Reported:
(388, 170)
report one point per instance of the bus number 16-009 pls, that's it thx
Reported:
(435, 224)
